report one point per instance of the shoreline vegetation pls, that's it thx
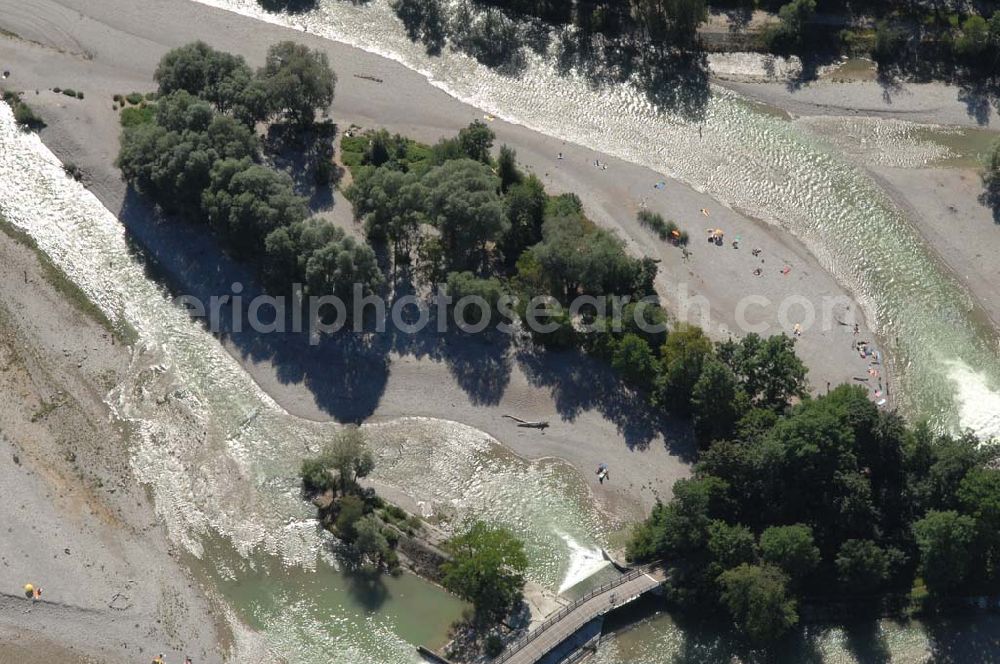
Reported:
(482, 564)
(792, 496)
(919, 41)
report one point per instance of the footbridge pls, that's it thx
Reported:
(562, 625)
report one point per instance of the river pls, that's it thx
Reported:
(221, 456)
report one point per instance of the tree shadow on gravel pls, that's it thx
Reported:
(579, 383)
(346, 372)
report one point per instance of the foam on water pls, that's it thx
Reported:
(584, 562)
(979, 400)
(222, 458)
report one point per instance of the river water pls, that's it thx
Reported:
(221, 457)
(792, 174)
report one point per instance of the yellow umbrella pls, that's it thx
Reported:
(29, 590)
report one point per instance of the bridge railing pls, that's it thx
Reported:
(568, 609)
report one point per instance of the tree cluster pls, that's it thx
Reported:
(831, 498)
(293, 83)
(196, 154)
(354, 514)
(481, 224)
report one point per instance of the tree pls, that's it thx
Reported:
(768, 369)
(507, 168)
(945, 540)
(476, 141)
(804, 453)
(524, 206)
(324, 258)
(391, 204)
(730, 545)
(576, 258)
(790, 548)
(714, 401)
(350, 509)
(487, 568)
(633, 357)
(348, 454)
(974, 40)
(979, 495)
(669, 20)
(757, 599)
(246, 202)
(680, 527)
(297, 81)
(863, 567)
(682, 358)
(790, 32)
(462, 202)
(370, 546)
(466, 284)
(215, 76)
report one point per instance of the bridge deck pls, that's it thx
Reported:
(551, 635)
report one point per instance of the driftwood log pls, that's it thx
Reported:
(527, 424)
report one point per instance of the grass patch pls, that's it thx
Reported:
(56, 278)
(416, 156)
(134, 116)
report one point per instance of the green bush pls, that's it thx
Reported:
(151, 96)
(79, 94)
(23, 115)
(134, 116)
(69, 92)
(666, 230)
(57, 90)
(315, 476)
(134, 98)
(116, 98)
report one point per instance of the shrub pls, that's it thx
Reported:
(494, 645)
(151, 96)
(73, 171)
(69, 92)
(134, 98)
(666, 230)
(133, 116)
(79, 94)
(23, 115)
(57, 90)
(116, 98)
(315, 476)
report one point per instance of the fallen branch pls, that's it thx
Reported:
(527, 424)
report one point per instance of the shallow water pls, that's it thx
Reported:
(221, 458)
(792, 174)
